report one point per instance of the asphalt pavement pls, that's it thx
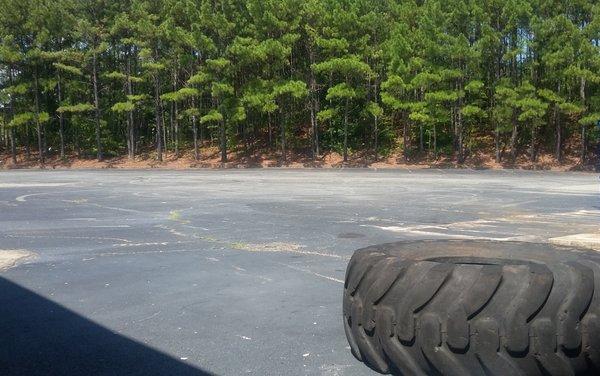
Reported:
(236, 271)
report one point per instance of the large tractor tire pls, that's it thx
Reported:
(474, 308)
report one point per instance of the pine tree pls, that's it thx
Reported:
(430, 78)
(350, 73)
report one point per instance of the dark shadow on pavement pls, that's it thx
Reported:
(39, 337)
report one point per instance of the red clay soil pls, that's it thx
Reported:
(211, 159)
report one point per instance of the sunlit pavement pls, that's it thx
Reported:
(234, 272)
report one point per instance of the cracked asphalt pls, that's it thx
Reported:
(233, 272)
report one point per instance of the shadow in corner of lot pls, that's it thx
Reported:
(39, 337)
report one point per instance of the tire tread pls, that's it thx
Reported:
(416, 317)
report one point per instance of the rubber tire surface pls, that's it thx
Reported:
(474, 308)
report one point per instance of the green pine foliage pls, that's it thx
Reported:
(424, 78)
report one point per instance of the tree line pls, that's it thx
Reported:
(428, 77)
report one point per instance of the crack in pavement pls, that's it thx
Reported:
(307, 271)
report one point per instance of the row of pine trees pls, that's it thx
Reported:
(432, 78)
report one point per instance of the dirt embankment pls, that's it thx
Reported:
(210, 158)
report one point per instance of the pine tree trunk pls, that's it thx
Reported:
(45, 141)
(61, 133)
(283, 151)
(557, 123)
(496, 126)
(583, 127)
(317, 109)
(435, 151)
(313, 106)
(13, 146)
(497, 142)
(27, 147)
(130, 125)
(270, 130)
(583, 144)
(346, 110)
(454, 131)
(164, 130)
(159, 119)
(532, 146)
(195, 132)
(255, 136)
(223, 142)
(11, 104)
(169, 136)
(514, 73)
(313, 126)
(201, 135)
(38, 125)
(96, 104)
(241, 129)
(421, 142)
(461, 155)
(405, 141)
(459, 124)
(176, 129)
(513, 137)
(77, 145)
(497, 74)
(61, 119)
(376, 143)
(175, 118)
(131, 135)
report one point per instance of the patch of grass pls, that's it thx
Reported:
(78, 201)
(209, 239)
(175, 216)
(241, 246)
